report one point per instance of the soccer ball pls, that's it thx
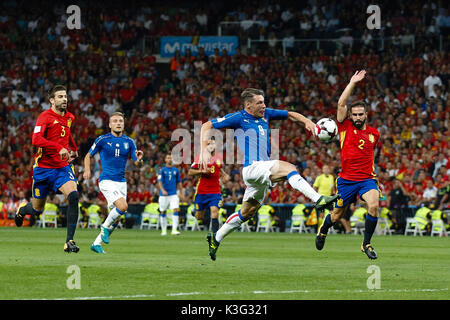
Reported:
(326, 129)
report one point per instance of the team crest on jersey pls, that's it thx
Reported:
(340, 202)
(69, 122)
(371, 138)
(55, 122)
(125, 145)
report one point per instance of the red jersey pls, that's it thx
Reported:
(209, 182)
(357, 151)
(52, 133)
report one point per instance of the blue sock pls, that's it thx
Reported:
(326, 224)
(240, 216)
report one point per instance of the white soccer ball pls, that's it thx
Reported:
(326, 129)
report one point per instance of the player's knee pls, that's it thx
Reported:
(123, 207)
(372, 208)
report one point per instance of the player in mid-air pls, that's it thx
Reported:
(259, 172)
(169, 182)
(114, 149)
(208, 191)
(357, 176)
(52, 170)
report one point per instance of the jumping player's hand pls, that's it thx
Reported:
(72, 156)
(358, 76)
(310, 126)
(225, 178)
(87, 175)
(64, 153)
(205, 157)
(139, 154)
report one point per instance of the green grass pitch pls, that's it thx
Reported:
(141, 264)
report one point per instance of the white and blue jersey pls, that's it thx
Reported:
(251, 133)
(169, 178)
(114, 152)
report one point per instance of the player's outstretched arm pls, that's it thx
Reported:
(297, 117)
(87, 167)
(204, 154)
(343, 99)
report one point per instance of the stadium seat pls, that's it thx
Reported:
(414, 230)
(245, 227)
(149, 220)
(264, 223)
(94, 220)
(48, 218)
(191, 223)
(358, 226)
(383, 224)
(438, 228)
(298, 224)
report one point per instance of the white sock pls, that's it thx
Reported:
(233, 222)
(163, 219)
(98, 241)
(175, 220)
(297, 182)
(112, 216)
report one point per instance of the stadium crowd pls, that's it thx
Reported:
(406, 88)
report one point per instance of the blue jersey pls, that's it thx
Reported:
(251, 133)
(114, 152)
(169, 177)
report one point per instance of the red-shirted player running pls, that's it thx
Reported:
(208, 192)
(52, 169)
(357, 177)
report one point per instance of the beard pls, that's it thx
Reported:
(359, 123)
(62, 107)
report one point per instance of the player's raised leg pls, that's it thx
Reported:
(33, 208)
(69, 189)
(282, 170)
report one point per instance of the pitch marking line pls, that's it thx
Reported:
(249, 292)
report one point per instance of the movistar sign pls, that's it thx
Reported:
(171, 44)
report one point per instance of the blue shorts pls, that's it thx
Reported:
(46, 178)
(203, 201)
(349, 189)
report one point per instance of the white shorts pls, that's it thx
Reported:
(257, 179)
(113, 191)
(168, 202)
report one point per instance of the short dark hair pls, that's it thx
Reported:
(358, 103)
(249, 93)
(117, 113)
(51, 92)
